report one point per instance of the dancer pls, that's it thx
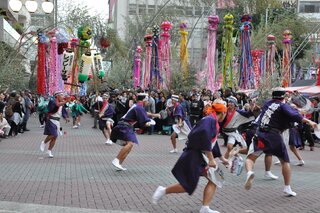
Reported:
(52, 128)
(77, 110)
(106, 112)
(191, 164)
(273, 120)
(123, 133)
(182, 124)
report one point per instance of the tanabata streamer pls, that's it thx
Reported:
(166, 26)
(41, 77)
(286, 67)
(271, 61)
(54, 76)
(147, 62)
(211, 51)
(183, 48)
(258, 65)
(228, 50)
(246, 78)
(155, 73)
(137, 67)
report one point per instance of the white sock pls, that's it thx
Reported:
(205, 207)
(268, 173)
(287, 188)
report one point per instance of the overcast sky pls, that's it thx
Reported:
(100, 6)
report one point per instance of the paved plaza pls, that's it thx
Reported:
(80, 178)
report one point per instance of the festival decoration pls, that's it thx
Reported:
(317, 71)
(137, 67)
(85, 67)
(147, 58)
(104, 42)
(155, 73)
(258, 66)
(271, 54)
(211, 51)
(166, 26)
(84, 33)
(41, 77)
(286, 67)
(62, 36)
(67, 64)
(98, 66)
(246, 78)
(54, 76)
(183, 48)
(228, 49)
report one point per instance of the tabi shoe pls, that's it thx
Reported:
(174, 151)
(248, 183)
(206, 209)
(160, 191)
(42, 146)
(41, 126)
(311, 148)
(300, 163)
(277, 162)
(270, 176)
(117, 164)
(50, 154)
(288, 192)
(109, 142)
(79, 124)
(75, 127)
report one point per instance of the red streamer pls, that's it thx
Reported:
(41, 89)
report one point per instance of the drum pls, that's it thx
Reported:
(163, 114)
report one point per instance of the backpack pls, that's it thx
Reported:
(8, 110)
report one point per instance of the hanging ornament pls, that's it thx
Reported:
(104, 42)
(155, 73)
(147, 62)
(228, 49)
(98, 65)
(166, 26)
(84, 33)
(137, 67)
(286, 66)
(62, 36)
(183, 48)
(85, 67)
(67, 63)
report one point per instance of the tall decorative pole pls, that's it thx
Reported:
(166, 26)
(246, 78)
(211, 52)
(147, 60)
(258, 65)
(286, 67)
(271, 54)
(53, 63)
(183, 48)
(228, 49)
(155, 73)
(137, 69)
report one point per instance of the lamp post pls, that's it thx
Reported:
(32, 6)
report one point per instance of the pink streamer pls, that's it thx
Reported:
(137, 61)
(53, 65)
(147, 64)
(212, 38)
(165, 54)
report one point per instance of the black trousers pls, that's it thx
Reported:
(306, 135)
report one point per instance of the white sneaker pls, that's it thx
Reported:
(248, 184)
(174, 151)
(300, 163)
(206, 209)
(117, 164)
(50, 154)
(41, 126)
(160, 191)
(79, 124)
(270, 176)
(75, 127)
(42, 146)
(289, 193)
(277, 162)
(109, 142)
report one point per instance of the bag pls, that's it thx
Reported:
(8, 111)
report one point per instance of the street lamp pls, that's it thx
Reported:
(31, 5)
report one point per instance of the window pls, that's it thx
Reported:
(132, 9)
(180, 10)
(189, 11)
(142, 9)
(198, 11)
(151, 9)
(309, 7)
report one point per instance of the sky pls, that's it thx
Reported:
(100, 6)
